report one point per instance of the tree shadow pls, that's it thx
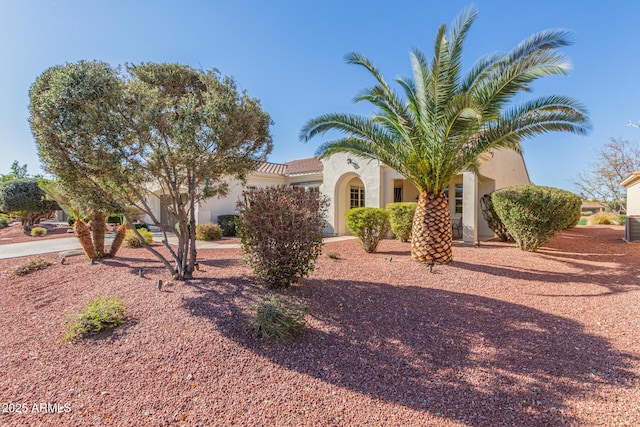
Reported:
(464, 357)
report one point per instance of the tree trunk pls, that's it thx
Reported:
(431, 233)
(98, 226)
(82, 231)
(118, 239)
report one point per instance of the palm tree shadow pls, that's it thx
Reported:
(464, 357)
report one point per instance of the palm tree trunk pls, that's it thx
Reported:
(98, 226)
(118, 239)
(82, 231)
(431, 233)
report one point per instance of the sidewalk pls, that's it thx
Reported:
(15, 250)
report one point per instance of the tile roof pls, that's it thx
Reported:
(295, 167)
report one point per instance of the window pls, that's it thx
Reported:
(397, 194)
(356, 197)
(458, 198)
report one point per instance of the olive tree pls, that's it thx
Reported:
(148, 130)
(25, 197)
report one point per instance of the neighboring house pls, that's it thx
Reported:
(632, 226)
(590, 208)
(350, 181)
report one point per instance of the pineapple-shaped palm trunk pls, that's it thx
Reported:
(431, 233)
(118, 239)
(84, 236)
(98, 226)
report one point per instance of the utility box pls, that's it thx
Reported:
(632, 229)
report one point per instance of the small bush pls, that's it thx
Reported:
(276, 318)
(38, 232)
(132, 241)
(208, 231)
(533, 215)
(369, 225)
(228, 224)
(28, 267)
(622, 219)
(493, 221)
(71, 221)
(582, 222)
(100, 314)
(113, 219)
(280, 230)
(401, 219)
(3, 221)
(142, 226)
(604, 218)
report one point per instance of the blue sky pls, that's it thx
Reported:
(290, 55)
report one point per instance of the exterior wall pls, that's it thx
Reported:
(339, 170)
(633, 199)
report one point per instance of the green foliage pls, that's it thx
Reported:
(533, 215)
(107, 132)
(604, 218)
(276, 318)
(132, 241)
(38, 232)
(622, 219)
(4, 221)
(208, 231)
(401, 219)
(280, 230)
(24, 195)
(34, 264)
(113, 219)
(228, 224)
(17, 172)
(369, 225)
(582, 222)
(142, 226)
(493, 220)
(99, 314)
(439, 122)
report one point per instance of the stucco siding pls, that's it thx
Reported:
(633, 199)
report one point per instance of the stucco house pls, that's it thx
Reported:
(632, 225)
(350, 181)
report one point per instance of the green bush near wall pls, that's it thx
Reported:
(533, 215)
(401, 219)
(369, 225)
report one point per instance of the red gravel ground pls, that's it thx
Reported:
(14, 234)
(499, 337)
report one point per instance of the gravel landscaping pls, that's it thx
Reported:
(499, 337)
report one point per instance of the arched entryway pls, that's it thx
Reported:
(349, 193)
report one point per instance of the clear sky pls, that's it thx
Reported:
(290, 55)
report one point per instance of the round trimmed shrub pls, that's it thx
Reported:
(401, 219)
(228, 224)
(533, 215)
(38, 232)
(369, 225)
(3, 221)
(208, 231)
(131, 240)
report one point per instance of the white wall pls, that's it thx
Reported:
(633, 199)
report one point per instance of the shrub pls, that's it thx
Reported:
(99, 314)
(582, 222)
(493, 221)
(3, 221)
(28, 267)
(280, 230)
(132, 241)
(208, 231)
(228, 224)
(369, 225)
(622, 219)
(275, 318)
(38, 232)
(604, 218)
(25, 195)
(533, 215)
(113, 219)
(71, 221)
(401, 219)
(142, 226)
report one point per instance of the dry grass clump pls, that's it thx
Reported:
(604, 218)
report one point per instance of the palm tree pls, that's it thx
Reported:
(447, 120)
